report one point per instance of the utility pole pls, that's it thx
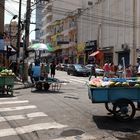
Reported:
(134, 31)
(26, 41)
(18, 33)
(27, 25)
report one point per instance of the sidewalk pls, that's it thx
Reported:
(18, 84)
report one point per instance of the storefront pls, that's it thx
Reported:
(108, 54)
(90, 47)
(124, 54)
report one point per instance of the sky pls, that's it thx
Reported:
(12, 6)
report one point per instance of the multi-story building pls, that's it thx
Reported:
(2, 2)
(39, 15)
(110, 26)
(119, 32)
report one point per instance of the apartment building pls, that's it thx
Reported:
(119, 30)
(110, 26)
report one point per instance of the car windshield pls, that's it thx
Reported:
(79, 67)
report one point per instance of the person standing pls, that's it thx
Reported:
(43, 71)
(106, 69)
(30, 72)
(52, 67)
(36, 71)
(47, 67)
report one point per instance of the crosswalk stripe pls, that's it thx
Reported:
(19, 117)
(17, 108)
(13, 102)
(30, 128)
(78, 137)
(13, 98)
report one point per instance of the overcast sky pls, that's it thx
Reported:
(12, 8)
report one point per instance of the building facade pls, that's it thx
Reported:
(110, 26)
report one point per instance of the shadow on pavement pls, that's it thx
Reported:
(6, 95)
(46, 92)
(110, 123)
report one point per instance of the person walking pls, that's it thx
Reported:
(52, 67)
(93, 71)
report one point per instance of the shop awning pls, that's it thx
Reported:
(98, 54)
(95, 53)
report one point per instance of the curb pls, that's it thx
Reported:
(24, 86)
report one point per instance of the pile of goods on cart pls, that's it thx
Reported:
(6, 80)
(6, 72)
(120, 95)
(114, 82)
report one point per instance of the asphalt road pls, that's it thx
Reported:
(64, 115)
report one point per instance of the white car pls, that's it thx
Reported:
(99, 71)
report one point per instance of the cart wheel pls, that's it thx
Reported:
(124, 110)
(109, 107)
(46, 86)
(39, 86)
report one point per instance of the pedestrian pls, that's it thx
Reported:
(128, 71)
(30, 72)
(47, 67)
(106, 69)
(93, 71)
(112, 70)
(36, 71)
(52, 67)
(43, 72)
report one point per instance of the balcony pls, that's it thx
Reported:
(66, 32)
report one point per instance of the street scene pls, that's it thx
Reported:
(69, 70)
(61, 115)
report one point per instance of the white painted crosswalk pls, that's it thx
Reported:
(14, 105)
(19, 117)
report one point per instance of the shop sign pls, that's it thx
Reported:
(91, 45)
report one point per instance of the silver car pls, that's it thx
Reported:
(99, 71)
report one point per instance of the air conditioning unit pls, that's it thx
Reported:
(125, 46)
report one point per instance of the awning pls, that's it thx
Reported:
(98, 54)
(94, 53)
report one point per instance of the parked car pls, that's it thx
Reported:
(77, 69)
(99, 71)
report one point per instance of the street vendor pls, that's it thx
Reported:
(36, 71)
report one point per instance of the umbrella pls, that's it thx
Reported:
(40, 46)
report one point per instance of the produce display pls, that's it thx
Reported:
(6, 72)
(112, 82)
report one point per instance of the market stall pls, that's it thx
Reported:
(120, 95)
(6, 81)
